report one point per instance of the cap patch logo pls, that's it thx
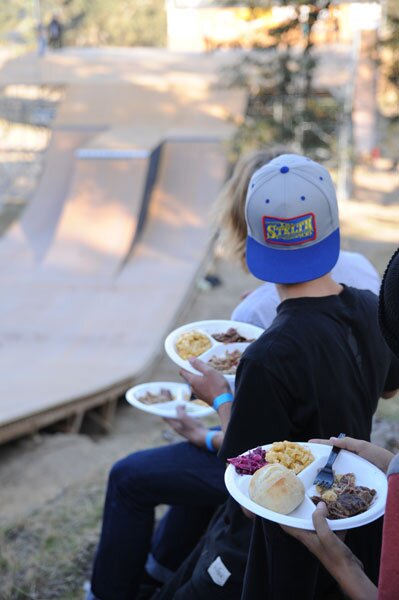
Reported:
(297, 230)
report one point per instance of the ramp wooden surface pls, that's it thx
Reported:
(151, 67)
(99, 219)
(27, 240)
(94, 230)
(85, 304)
(65, 341)
(149, 112)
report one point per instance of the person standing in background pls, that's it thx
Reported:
(54, 31)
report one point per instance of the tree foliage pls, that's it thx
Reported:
(92, 23)
(391, 42)
(284, 107)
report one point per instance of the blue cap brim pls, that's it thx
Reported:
(293, 266)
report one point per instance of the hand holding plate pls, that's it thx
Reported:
(335, 556)
(191, 429)
(207, 386)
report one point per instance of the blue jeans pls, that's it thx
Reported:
(189, 479)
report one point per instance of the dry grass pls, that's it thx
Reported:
(48, 555)
(388, 409)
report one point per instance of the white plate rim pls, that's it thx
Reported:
(166, 409)
(375, 511)
(197, 325)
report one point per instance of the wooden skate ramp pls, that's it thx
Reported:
(159, 276)
(149, 110)
(93, 235)
(26, 242)
(74, 341)
(109, 248)
(94, 230)
(99, 219)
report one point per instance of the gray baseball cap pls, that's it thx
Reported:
(292, 218)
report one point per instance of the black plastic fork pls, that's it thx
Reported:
(325, 477)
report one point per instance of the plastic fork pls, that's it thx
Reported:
(325, 477)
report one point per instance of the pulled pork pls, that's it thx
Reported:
(345, 498)
(230, 336)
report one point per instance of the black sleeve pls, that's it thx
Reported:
(259, 414)
(392, 380)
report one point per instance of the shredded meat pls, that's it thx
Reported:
(230, 336)
(350, 499)
(226, 364)
(163, 395)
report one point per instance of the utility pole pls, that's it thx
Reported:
(345, 140)
(40, 33)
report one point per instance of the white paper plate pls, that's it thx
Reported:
(181, 393)
(208, 328)
(366, 474)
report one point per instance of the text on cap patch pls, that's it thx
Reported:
(296, 230)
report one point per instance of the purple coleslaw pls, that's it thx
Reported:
(247, 464)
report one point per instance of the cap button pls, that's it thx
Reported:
(284, 169)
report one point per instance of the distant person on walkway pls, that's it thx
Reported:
(54, 31)
(188, 476)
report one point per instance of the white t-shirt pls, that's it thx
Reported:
(352, 269)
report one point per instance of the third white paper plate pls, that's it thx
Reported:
(366, 474)
(181, 393)
(208, 328)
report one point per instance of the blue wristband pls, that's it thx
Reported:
(222, 399)
(208, 440)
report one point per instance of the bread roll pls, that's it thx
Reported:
(277, 488)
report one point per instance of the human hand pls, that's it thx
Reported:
(208, 385)
(188, 427)
(374, 454)
(322, 536)
(335, 556)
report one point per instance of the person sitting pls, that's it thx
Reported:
(54, 30)
(320, 367)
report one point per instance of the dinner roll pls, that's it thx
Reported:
(277, 488)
